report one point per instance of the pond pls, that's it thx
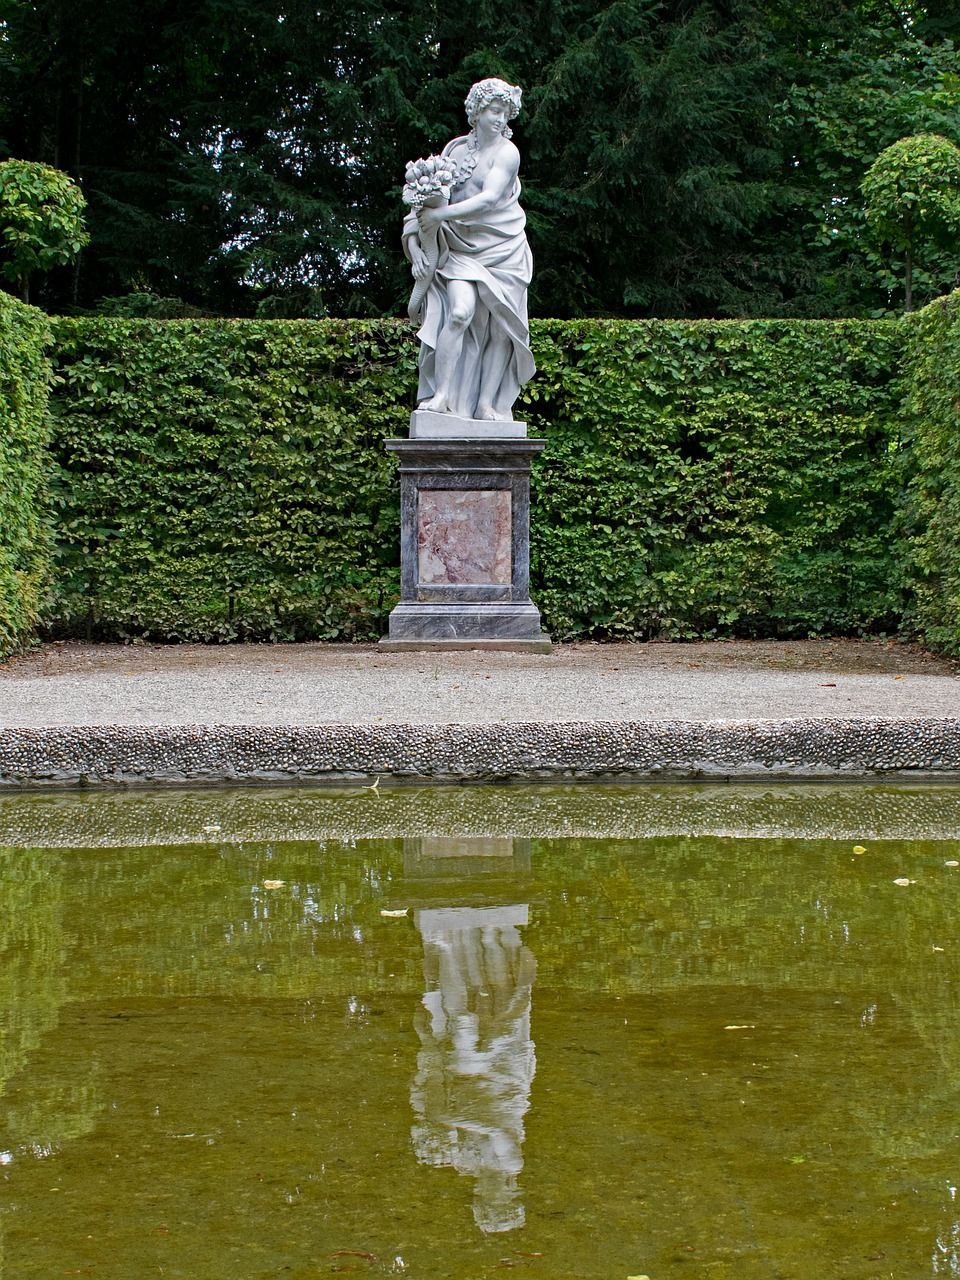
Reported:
(558, 1032)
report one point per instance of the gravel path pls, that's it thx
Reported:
(71, 683)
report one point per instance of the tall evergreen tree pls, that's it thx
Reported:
(680, 157)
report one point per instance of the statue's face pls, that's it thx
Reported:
(494, 117)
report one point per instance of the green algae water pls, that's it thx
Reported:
(598, 1032)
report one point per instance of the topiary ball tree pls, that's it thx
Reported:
(912, 195)
(41, 220)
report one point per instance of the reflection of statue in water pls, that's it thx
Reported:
(476, 1061)
(945, 1259)
(475, 341)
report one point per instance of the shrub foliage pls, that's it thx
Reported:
(715, 478)
(933, 498)
(227, 479)
(41, 220)
(24, 531)
(222, 480)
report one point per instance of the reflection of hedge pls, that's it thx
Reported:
(32, 951)
(280, 1025)
(620, 917)
(33, 989)
(282, 1022)
(934, 494)
(24, 537)
(222, 479)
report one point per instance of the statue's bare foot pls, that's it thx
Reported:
(437, 404)
(486, 413)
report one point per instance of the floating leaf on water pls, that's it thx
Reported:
(902, 881)
(858, 848)
(952, 863)
(394, 915)
(274, 884)
(208, 830)
(740, 1026)
(938, 948)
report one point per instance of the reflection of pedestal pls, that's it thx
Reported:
(469, 858)
(465, 539)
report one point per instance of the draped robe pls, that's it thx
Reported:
(490, 250)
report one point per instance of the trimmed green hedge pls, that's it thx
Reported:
(25, 545)
(218, 480)
(933, 500)
(714, 478)
(224, 480)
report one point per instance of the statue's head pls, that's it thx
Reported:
(486, 91)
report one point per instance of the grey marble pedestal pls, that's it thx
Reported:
(465, 543)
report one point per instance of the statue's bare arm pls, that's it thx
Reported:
(497, 184)
(418, 259)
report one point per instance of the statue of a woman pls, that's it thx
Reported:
(475, 340)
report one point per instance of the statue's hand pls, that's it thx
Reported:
(429, 218)
(418, 261)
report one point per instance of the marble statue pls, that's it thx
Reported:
(465, 239)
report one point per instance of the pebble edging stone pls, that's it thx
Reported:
(150, 755)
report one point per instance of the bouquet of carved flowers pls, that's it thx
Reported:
(428, 185)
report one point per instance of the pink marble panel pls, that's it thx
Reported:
(464, 536)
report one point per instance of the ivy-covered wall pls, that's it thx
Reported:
(228, 479)
(932, 430)
(25, 547)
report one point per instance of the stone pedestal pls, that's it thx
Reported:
(465, 539)
(426, 425)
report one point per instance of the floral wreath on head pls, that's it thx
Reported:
(486, 91)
